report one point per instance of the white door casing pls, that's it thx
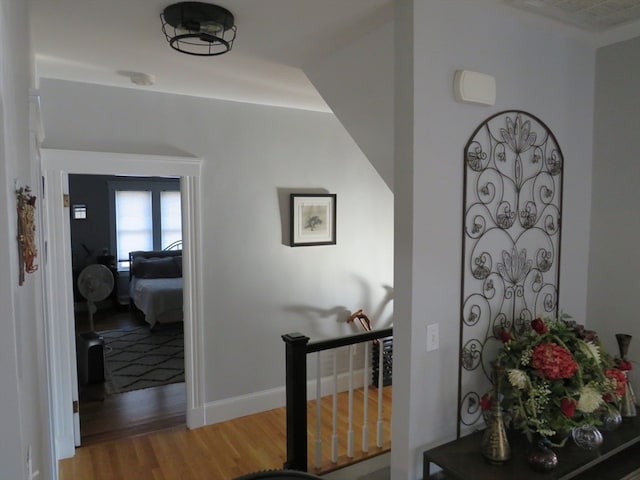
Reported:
(56, 165)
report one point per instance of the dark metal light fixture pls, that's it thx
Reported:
(197, 28)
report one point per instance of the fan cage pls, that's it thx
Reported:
(186, 26)
(95, 282)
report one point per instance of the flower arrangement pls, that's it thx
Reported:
(557, 377)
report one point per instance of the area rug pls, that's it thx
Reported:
(137, 357)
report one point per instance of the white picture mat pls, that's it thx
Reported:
(313, 219)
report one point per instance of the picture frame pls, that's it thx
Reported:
(313, 219)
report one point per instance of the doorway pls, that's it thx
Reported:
(129, 348)
(60, 328)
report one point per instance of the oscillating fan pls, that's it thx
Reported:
(95, 283)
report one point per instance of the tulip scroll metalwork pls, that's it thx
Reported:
(511, 243)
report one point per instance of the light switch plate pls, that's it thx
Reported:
(433, 337)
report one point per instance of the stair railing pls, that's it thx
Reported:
(297, 347)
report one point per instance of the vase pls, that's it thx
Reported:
(628, 402)
(587, 436)
(540, 457)
(611, 418)
(495, 445)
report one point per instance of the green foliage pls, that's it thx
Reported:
(555, 377)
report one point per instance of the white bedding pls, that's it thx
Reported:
(160, 299)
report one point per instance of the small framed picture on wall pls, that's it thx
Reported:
(313, 219)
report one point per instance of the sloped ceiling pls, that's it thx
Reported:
(279, 42)
(99, 41)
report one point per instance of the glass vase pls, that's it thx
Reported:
(611, 418)
(587, 436)
(495, 445)
(540, 457)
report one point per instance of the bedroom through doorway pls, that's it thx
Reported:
(130, 339)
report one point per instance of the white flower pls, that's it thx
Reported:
(525, 358)
(590, 399)
(591, 349)
(518, 378)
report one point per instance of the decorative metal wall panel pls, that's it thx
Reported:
(511, 244)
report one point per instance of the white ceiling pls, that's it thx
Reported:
(102, 42)
(93, 40)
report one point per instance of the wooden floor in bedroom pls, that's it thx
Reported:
(110, 417)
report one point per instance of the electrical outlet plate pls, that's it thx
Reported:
(433, 337)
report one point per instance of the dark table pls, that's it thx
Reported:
(618, 456)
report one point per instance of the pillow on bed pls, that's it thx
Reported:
(167, 267)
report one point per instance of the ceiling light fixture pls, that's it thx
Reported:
(197, 28)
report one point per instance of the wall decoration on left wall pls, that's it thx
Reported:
(27, 251)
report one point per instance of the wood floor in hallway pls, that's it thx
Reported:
(225, 450)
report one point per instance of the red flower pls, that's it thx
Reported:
(568, 407)
(619, 379)
(539, 326)
(505, 336)
(486, 402)
(623, 364)
(553, 361)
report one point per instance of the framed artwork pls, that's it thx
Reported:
(313, 219)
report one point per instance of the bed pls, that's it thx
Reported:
(155, 286)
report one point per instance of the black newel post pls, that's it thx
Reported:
(296, 384)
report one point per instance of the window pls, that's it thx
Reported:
(146, 215)
(171, 218)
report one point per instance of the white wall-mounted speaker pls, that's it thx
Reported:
(474, 87)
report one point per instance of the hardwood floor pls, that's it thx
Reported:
(108, 317)
(142, 434)
(222, 451)
(108, 417)
(132, 413)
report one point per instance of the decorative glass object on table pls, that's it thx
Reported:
(587, 437)
(611, 418)
(540, 457)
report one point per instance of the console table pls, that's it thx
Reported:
(618, 458)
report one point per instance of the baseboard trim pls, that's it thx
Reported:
(242, 405)
(196, 417)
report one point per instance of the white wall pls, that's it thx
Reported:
(614, 270)
(21, 422)
(357, 83)
(537, 70)
(256, 288)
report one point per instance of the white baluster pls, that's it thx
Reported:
(365, 415)
(318, 456)
(334, 421)
(350, 428)
(380, 433)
